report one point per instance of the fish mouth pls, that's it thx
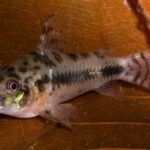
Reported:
(12, 106)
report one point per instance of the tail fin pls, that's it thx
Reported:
(137, 69)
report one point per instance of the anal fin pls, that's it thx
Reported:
(111, 89)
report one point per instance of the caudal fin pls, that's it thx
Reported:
(137, 69)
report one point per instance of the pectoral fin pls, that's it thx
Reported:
(61, 113)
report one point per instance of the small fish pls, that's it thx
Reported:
(40, 83)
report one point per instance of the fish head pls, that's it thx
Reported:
(16, 94)
(14, 97)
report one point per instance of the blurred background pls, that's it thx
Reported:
(87, 25)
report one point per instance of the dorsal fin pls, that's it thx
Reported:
(51, 36)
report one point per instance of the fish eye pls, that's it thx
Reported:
(13, 86)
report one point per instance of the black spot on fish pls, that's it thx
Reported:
(48, 62)
(25, 63)
(43, 59)
(84, 55)
(57, 56)
(23, 69)
(111, 69)
(14, 75)
(10, 69)
(36, 56)
(73, 57)
(36, 67)
(1, 79)
(99, 55)
(40, 85)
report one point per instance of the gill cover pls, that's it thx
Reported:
(14, 101)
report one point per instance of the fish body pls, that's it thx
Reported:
(59, 75)
(42, 81)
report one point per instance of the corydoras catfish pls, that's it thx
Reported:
(41, 82)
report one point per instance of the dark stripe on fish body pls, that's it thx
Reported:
(41, 82)
(60, 78)
(137, 76)
(130, 69)
(46, 78)
(110, 70)
(147, 70)
(57, 56)
(14, 75)
(136, 61)
(72, 56)
(87, 76)
(71, 77)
